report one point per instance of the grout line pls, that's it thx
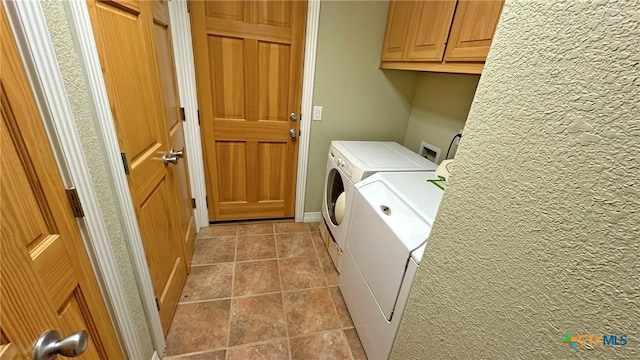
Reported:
(233, 283)
(284, 308)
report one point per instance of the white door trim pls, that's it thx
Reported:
(37, 52)
(308, 80)
(80, 23)
(186, 74)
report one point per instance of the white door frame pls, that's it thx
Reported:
(36, 48)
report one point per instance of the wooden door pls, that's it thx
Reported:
(429, 30)
(46, 280)
(174, 117)
(399, 19)
(472, 30)
(123, 32)
(249, 57)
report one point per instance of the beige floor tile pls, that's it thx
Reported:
(310, 311)
(214, 250)
(291, 227)
(273, 350)
(343, 314)
(355, 345)
(208, 282)
(217, 231)
(209, 355)
(257, 318)
(313, 226)
(294, 244)
(301, 273)
(256, 277)
(256, 247)
(198, 327)
(330, 272)
(328, 345)
(318, 242)
(255, 229)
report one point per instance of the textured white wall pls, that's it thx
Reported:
(360, 101)
(76, 88)
(539, 232)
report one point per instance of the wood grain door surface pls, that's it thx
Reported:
(249, 57)
(144, 113)
(179, 172)
(46, 279)
(474, 25)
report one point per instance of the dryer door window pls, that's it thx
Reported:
(335, 190)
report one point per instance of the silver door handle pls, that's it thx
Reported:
(292, 133)
(49, 345)
(177, 153)
(293, 116)
(169, 159)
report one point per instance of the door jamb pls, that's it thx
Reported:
(186, 77)
(308, 79)
(28, 23)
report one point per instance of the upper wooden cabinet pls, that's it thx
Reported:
(441, 35)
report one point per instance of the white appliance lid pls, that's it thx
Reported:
(412, 189)
(383, 156)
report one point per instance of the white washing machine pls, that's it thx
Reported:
(350, 162)
(392, 218)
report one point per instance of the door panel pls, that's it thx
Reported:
(46, 280)
(124, 32)
(428, 37)
(178, 173)
(249, 74)
(472, 30)
(227, 76)
(272, 164)
(398, 21)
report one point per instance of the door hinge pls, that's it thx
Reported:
(198, 116)
(157, 303)
(188, 6)
(125, 163)
(193, 203)
(206, 201)
(74, 201)
(182, 115)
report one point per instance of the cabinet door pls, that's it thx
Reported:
(473, 27)
(428, 35)
(397, 31)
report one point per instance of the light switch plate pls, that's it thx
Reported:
(317, 113)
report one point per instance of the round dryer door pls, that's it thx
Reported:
(335, 197)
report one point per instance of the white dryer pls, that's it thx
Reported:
(392, 218)
(348, 163)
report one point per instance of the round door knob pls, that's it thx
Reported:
(173, 159)
(292, 133)
(49, 345)
(177, 153)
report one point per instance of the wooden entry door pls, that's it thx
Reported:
(46, 280)
(249, 57)
(125, 42)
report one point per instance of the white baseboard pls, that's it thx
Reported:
(312, 216)
(155, 356)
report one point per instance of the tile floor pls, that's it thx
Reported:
(262, 291)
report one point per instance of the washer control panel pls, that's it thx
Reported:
(343, 164)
